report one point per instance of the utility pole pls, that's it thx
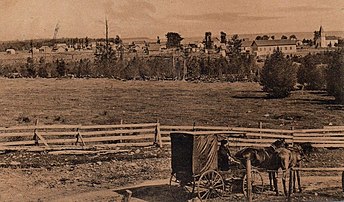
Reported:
(107, 37)
(31, 44)
(185, 68)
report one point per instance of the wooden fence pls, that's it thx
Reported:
(127, 135)
(55, 136)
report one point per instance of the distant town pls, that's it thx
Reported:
(260, 46)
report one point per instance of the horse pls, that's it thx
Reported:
(265, 158)
(289, 158)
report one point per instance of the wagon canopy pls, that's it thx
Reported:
(193, 154)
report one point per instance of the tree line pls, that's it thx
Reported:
(321, 71)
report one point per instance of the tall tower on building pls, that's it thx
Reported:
(322, 38)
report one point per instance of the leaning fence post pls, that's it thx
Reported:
(249, 180)
(35, 137)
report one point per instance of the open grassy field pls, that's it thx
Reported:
(105, 101)
(48, 176)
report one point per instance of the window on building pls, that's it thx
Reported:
(285, 48)
(291, 48)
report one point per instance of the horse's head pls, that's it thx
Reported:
(280, 143)
(303, 149)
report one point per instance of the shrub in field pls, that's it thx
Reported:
(278, 76)
(61, 67)
(311, 75)
(335, 76)
(42, 68)
(30, 68)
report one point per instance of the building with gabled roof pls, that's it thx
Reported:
(267, 47)
(246, 46)
(324, 41)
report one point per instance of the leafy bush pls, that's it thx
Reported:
(278, 76)
(335, 76)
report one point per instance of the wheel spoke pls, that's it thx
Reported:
(208, 195)
(206, 192)
(217, 181)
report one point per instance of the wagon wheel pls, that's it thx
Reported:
(210, 185)
(179, 190)
(257, 183)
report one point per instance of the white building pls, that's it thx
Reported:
(267, 47)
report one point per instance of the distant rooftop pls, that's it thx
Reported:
(331, 38)
(278, 42)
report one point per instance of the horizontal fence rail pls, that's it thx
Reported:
(148, 134)
(121, 135)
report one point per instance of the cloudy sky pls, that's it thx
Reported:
(26, 19)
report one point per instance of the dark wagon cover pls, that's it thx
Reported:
(193, 154)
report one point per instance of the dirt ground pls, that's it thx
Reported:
(103, 175)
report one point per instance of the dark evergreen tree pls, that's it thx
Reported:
(278, 76)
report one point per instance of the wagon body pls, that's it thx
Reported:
(193, 154)
(195, 166)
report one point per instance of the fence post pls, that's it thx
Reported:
(260, 128)
(79, 137)
(121, 133)
(249, 180)
(35, 137)
(157, 137)
(292, 135)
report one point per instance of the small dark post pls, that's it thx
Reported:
(343, 181)
(35, 136)
(157, 136)
(292, 134)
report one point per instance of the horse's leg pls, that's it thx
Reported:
(270, 179)
(284, 177)
(299, 180)
(294, 177)
(275, 182)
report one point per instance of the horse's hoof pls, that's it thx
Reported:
(300, 190)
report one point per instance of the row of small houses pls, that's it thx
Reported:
(258, 47)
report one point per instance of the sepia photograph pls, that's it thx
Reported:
(171, 100)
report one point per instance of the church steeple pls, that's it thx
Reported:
(322, 41)
(321, 31)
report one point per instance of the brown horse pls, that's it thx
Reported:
(265, 158)
(291, 158)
